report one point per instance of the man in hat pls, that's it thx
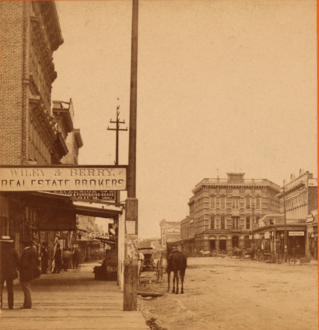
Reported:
(29, 270)
(9, 265)
(44, 257)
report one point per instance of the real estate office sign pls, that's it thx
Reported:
(57, 178)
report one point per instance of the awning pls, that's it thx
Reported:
(97, 212)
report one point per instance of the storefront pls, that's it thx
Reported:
(312, 235)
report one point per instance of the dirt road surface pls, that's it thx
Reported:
(235, 294)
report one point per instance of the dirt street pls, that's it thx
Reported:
(224, 293)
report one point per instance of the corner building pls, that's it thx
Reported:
(223, 212)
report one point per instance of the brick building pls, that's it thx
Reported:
(224, 211)
(30, 33)
(170, 231)
(31, 133)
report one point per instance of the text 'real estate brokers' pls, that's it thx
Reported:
(62, 178)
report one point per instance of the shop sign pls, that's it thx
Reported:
(257, 236)
(296, 233)
(60, 178)
(267, 234)
(108, 195)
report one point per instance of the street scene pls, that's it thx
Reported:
(158, 165)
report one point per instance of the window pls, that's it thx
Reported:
(235, 223)
(217, 202)
(247, 222)
(222, 221)
(212, 222)
(212, 202)
(258, 203)
(223, 203)
(235, 203)
(247, 203)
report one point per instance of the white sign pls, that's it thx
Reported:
(267, 235)
(130, 227)
(54, 178)
(312, 182)
(296, 233)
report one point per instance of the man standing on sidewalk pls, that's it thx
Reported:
(9, 265)
(29, 270)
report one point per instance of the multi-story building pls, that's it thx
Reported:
(31, 133)
(298, 202)
(170, 231)
(225, 211)
(30, 33)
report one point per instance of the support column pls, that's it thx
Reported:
(217, 244)
(228, 244)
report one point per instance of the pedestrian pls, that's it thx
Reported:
(75, 258)
(44, 258)
(57, 259)
(252, 251)
(66, 256)
(29, 270)
(9, 265)
(298, 251)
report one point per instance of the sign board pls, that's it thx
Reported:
(267, 234)
(130, 227)
(296, 233)
(87, 194)
(312, 182)
(57, 178)
(310, 218)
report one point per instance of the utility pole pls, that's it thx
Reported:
(131, 207)
(117, 129)
(285, 223)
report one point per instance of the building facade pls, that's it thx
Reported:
(225, 211)
(298, 204)
(170, 231)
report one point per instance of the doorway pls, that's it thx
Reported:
(235, 242)
(222, 245)
(212, 245)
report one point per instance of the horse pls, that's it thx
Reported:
(177, 263)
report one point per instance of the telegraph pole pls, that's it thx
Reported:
(131, 207)
(117, 129)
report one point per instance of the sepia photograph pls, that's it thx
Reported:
(159, 165)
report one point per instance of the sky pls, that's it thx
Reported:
(223, 86)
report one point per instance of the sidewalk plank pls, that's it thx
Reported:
(71, 300)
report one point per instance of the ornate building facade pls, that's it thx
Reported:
(225, 211)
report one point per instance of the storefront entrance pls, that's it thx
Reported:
(235, 242)
(212, 245)
(222, 245)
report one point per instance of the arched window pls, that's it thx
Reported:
(247, 222)
(212, 222)
(222, 222)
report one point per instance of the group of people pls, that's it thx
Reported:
(27, 265)
(64, 260)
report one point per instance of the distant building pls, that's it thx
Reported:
(154, 243)
(170, 231)
(299, 200)
(223, 212)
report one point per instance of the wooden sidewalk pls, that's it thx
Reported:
(71, 300)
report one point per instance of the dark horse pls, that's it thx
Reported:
(177, 263)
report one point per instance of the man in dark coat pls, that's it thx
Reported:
(9, 265)
(44, 258)
(29, 270)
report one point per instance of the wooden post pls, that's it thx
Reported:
(131, 256)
